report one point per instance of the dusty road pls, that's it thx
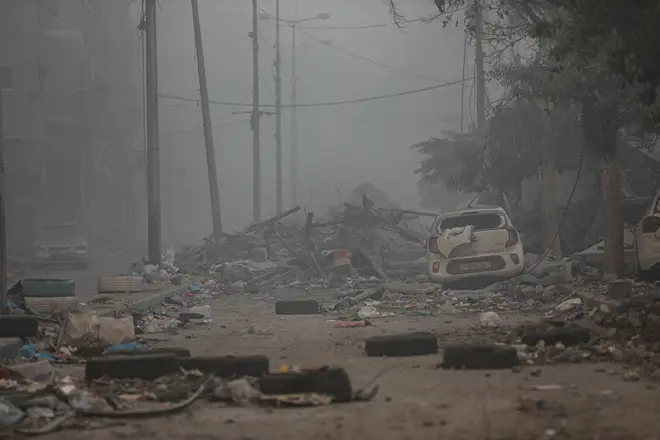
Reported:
(417, 400)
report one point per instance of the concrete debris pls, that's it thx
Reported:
(490, 320)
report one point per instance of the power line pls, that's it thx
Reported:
(199, 127)
(353, 54)
(340, 28)
(327, 103)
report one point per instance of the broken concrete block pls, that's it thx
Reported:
(619, 289)
(490, 320)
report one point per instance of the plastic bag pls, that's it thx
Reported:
(88, 328)
(9, 414)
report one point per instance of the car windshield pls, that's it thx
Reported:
(63, 231)
(480, 221)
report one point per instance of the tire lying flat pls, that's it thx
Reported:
(18, 326)
(120, 284)
(297, 307)
(141, 366)
(412, 344)
(229, 367)
(479, 357)
(569, 336)
(334, 382)
(49, 287)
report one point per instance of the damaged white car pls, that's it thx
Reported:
(474, 243)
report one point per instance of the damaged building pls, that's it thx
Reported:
(71, 81)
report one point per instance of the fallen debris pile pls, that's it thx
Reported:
(33, 408)
(359, 242)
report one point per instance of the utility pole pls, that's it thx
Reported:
(208, 130)
(3, 221)
(153, 147)
(256, 116)
(294, 125)
(465, 46)
(479, 54)
(278, 108)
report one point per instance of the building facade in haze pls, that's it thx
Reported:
(71, 71)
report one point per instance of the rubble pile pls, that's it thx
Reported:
(358, 242)
(33, 407)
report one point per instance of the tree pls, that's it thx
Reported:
(599, 54)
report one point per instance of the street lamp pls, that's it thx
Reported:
(278, 87)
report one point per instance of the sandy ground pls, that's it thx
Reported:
(417, 400)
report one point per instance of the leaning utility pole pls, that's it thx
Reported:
(278, 108)
(3, 222)
(208, 130)
(294, 124)
(153, 148)
(465, 46)
(256, 116)
(479, 62)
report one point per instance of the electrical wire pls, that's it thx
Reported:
(353, 54)
(198, 128)
(327, 103)
(339, 28)
(563, 214)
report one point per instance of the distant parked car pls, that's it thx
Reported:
(478, 242)
(647, 242)
(63, 244)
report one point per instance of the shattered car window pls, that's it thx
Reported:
(480, 222)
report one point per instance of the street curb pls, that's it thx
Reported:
(149, 301)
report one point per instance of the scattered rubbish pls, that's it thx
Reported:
(368, 312)
(10, 415)
(569, 304)
(83, 329)
(490, 320)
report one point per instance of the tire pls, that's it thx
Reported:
(297, 307)
(178, 352)
(480, 357)
(51, 306)
(334, 382)
(48, 288)
(120, 284)
(412, 344)
(142, 366)
(568, 336)
(18, 326)
(229, 367)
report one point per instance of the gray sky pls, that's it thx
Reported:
(338, 145)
